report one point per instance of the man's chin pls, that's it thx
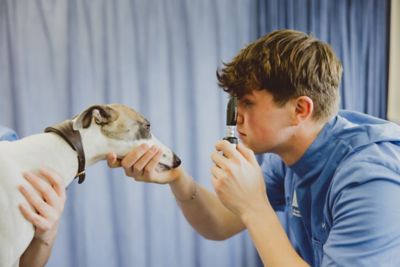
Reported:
(254, 148)
(248, 145)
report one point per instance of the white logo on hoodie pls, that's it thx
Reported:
(295, 205)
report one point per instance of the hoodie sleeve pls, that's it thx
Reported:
(7, 134)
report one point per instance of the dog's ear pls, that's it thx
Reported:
(101, 114)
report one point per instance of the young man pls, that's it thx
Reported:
(335, 175)
(49, 205)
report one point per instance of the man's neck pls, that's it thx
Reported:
(300, 141)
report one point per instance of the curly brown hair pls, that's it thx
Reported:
(287, 64)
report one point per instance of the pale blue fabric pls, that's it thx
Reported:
(342, 196)
(7, 134)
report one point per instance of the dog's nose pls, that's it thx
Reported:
(147, 125)
(176, 161)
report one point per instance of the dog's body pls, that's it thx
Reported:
(103, 129)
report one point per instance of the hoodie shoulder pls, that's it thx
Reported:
(373, 147)
(358, 130)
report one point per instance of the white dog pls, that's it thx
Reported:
(88, 137)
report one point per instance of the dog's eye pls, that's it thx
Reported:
(147, 126)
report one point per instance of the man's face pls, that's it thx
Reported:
(262, 125)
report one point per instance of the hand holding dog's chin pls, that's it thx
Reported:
(158, 177)
(175, 174)
(144, 169)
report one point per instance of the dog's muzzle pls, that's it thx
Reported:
(176, 161)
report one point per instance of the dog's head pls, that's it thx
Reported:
(120, 129)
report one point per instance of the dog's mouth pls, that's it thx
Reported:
(176, 162)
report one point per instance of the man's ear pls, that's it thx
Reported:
(303, 108)
(101, 114)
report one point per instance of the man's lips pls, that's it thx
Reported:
(241, 133)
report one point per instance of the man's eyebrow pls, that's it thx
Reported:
(246, 97)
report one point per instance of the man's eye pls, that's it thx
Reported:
(247, 104)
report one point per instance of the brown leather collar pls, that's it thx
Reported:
(73, 138)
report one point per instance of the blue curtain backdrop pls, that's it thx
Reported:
(160, 57)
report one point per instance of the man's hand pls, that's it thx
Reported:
(46, 204)
(47, 201)
(238, 179)
(141, 164)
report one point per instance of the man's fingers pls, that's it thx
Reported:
(133, 156)
(113, 161)
(146, 159)
(218, 173)
(34, 199)
(37, 220)
(235, 152)
(164, 177)
(247, 153)
(47, 191)
(216, 183)
(151, 165)
(219, 160)
(140, 170)
(228, 149)
(55, 181)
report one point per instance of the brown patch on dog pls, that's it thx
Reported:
(131, 113)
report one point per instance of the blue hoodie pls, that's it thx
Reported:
(341, 199)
